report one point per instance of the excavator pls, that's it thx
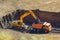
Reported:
(20, 22)
(36, 26)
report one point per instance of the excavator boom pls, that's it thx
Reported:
(20, 21)
(27, 14)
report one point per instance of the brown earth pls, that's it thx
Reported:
(16, 35)
(7, 6)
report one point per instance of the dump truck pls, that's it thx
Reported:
(36, 26)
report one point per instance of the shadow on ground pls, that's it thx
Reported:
(29, 31)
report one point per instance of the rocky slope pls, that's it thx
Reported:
(6, 34)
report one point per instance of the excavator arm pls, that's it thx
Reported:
(20, 22)
(27, 14)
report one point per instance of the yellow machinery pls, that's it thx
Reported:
(20, 22)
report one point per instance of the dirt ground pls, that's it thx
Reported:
(7, 6)
(16, 35)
